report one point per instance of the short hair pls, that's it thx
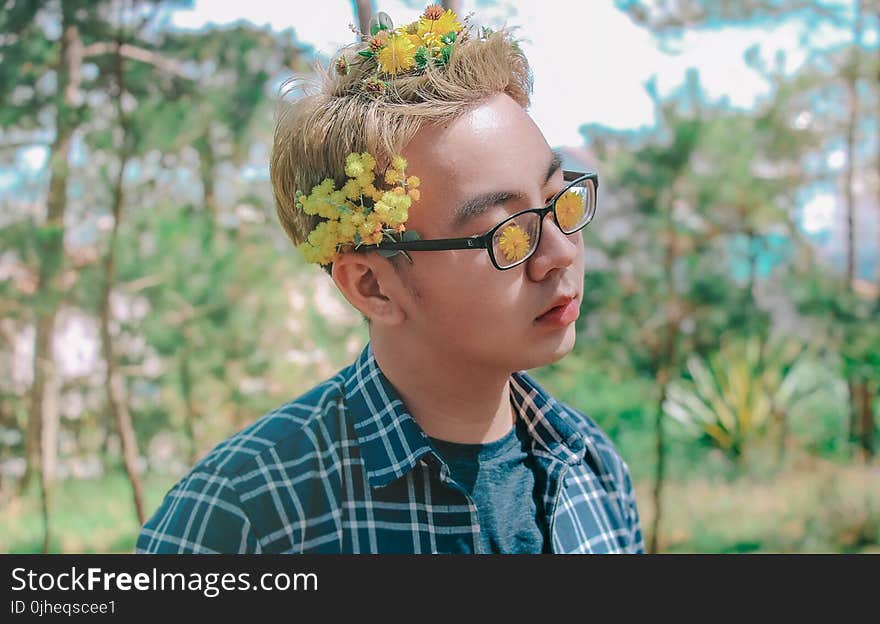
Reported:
(316, 131)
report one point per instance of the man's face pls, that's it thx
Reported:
(467, 309)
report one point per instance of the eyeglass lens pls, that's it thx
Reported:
(517, 238)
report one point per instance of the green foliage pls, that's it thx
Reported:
(737, 394)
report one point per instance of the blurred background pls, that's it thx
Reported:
(729, 342)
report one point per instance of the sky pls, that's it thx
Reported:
(590, 62)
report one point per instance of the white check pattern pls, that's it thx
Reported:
(344, 468)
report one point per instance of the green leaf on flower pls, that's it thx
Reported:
(366, 54)
(388, 252)
(385, 22)
(410, 235)
(380, 21)
(421, 57)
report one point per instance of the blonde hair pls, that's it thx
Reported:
(315, 132)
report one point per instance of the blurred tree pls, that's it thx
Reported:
(690, 195)
(842, 68)
(363, 12)
(85, 28)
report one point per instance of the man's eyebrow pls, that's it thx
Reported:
(476, 206)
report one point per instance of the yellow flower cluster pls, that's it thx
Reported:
(359, 212)
(397, 50)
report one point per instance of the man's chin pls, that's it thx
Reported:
(547, 352)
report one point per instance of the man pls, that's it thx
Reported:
(434, 440)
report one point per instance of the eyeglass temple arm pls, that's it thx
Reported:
(570, 176)
(440, 244)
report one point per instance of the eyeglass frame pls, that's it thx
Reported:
(484, 241)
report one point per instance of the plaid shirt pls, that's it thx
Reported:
(345, 469)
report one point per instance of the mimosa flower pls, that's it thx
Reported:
(357, 213)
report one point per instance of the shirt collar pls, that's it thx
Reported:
(392, 443)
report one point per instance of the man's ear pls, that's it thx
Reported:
(370, 284)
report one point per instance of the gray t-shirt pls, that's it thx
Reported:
(499, 478)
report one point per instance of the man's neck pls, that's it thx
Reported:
(449, 401)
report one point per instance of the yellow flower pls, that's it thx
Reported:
(343, 212)
(347, 231)
(372, 192)
(382, 209)
(514, 243)
(397, 55)
(352, 189)
(354, 166)
(398, 216)
(430, 30)
(569, 209)
(368, 160)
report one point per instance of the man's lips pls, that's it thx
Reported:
(558, 303)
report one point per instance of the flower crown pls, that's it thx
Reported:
(407, 49)
(359, 213)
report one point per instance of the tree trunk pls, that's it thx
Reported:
(186, 389)
(852, 75)
(781, 418)
(114, 380)
(751, 239)
(866, 410)
(363, 10)
(49, 444)
(852, 393)
(666, 360)
(660, 474)
(206, 172)
(43, 418)
(849, 175)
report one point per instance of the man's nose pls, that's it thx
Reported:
(555, 249)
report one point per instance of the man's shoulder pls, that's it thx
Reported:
(579, 420)
(597, 440)
(591, 430)
(293, 429)
(228, 501)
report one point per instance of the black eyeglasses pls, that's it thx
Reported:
(514, 240)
